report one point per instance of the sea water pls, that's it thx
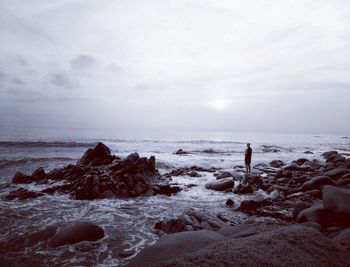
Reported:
(128, 223)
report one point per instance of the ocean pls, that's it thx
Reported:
(128, 223)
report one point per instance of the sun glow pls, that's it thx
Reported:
(219, 104)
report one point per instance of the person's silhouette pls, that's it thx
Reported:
(248, 158)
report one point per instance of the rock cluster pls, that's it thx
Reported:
(306, 191)
(99, 174)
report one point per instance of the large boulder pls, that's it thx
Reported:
(77, 232)
(316, 213)
(100, 155)
(317, 182)
(287, 246)
(336, 199)
(343, 238)
(221, 185)
(173, 245)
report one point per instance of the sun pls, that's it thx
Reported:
(218, 104)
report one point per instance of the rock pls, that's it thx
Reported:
(286, 246)
(194, 174)
(243, 189)
(336, 173)
(313, 225)
(313, 165)
(292, 167)
(100, 155)
(190, 221)
(21, 178)
(314, 193)
(253, 204)
(301, 161)
(181, 152)
(167, 189)
(316, 213)
(230, 202)
(343, 182)
(317, 182)
(173, 245)
(273, 149)
(336, 158)
(22, 194)
(223, 175)
(221, 185)
(299, 206)
(308, 152)
(39, 174)
(277, 163)
(336, 199)
(343, 239)
(171, 226)
(77, 232)
(249, 229)
(254, 181)
(328, 154)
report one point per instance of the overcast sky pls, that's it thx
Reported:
(251, 66)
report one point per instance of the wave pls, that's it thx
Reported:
(11, 162)
(36, 144)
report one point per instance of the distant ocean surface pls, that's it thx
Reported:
(129, 223)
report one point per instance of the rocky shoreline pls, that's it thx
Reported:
(306, 204)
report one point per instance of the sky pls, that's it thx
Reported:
(214, 65)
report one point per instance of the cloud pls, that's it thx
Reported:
(114, 68)
(61, 79)
(83, 62)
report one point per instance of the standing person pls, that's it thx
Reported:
(248, 158)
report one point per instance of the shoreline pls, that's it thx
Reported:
(293, 193)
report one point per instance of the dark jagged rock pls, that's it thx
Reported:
(70, 172)
(230, 202)
(21, 178)
(243, 189)
(181, 152)
(100, 155)
(39, 174)
(102, 175)
(188, 171)
(22, 194)
(167, 189)
(77, 232)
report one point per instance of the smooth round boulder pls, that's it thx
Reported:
(336, 199)
(316, 213)
(74, 233)
(173, 245)
(221, 184)
(316, 183)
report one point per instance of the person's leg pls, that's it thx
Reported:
(249, 168)
(246, 167)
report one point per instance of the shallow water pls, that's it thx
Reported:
(128, 223)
